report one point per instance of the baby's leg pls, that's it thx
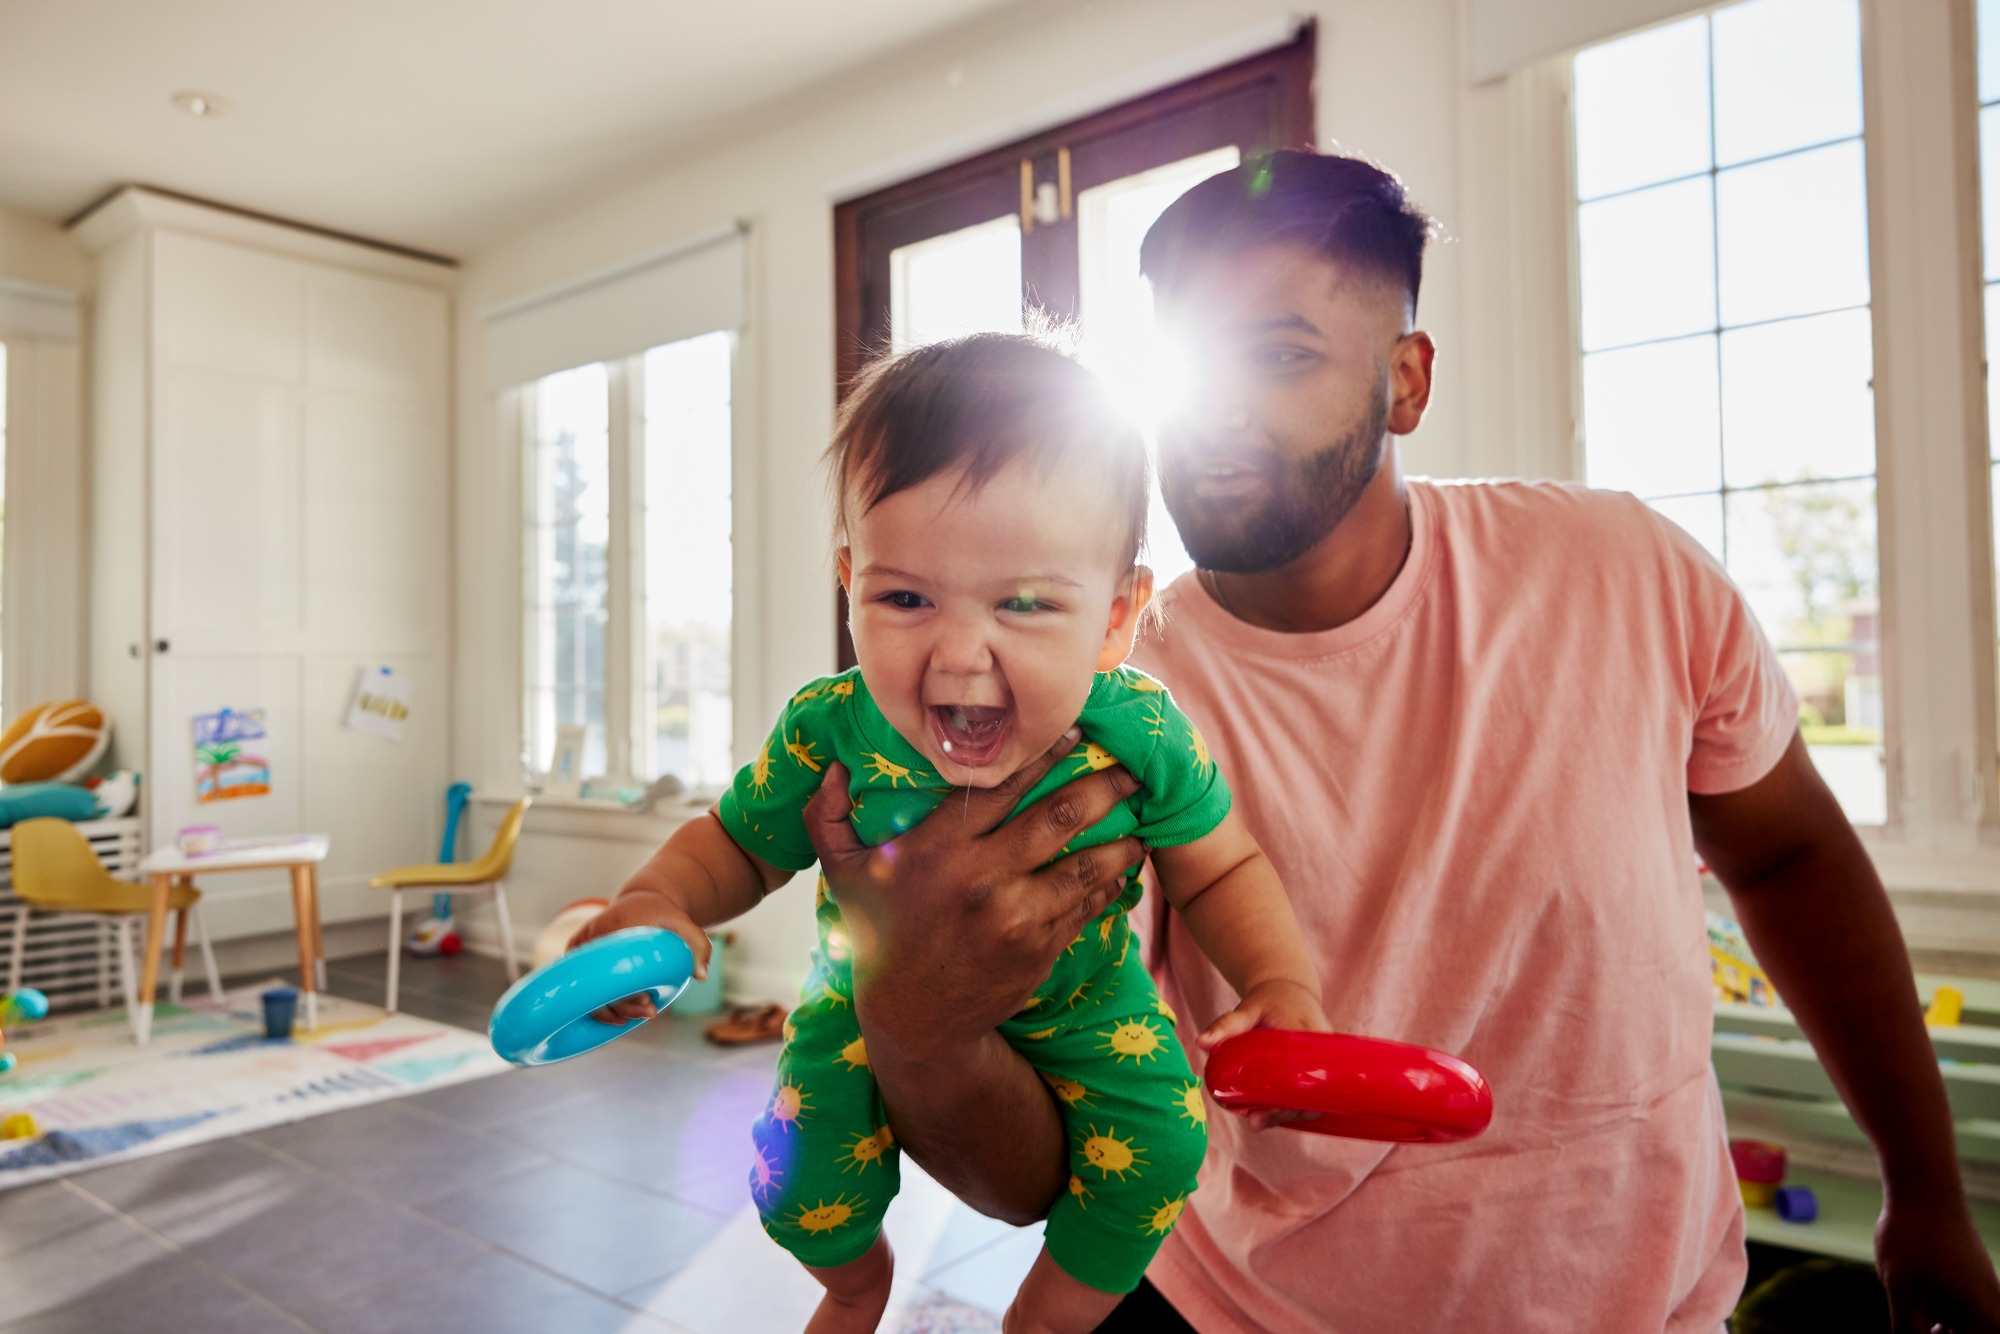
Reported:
(1137, 1125)
(826, 1164)
(857, 1293)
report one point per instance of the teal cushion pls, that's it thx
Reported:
(25, 801)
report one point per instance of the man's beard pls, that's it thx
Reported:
(1306, 500)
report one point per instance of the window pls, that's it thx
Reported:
(1726, 333)
(3, 485)
(1989, 190)
(629, 563)
(1053, 223)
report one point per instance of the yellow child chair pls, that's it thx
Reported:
(56, 870)
(489, 871)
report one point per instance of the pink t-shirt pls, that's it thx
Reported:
(1476, 794)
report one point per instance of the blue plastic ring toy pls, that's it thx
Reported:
(545, 1017)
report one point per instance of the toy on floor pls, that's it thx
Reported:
(1760, 1177)
(545, 1017)
(562, 928)
(1359, 1088)
(1737, 975)
(21, 1125)
(20, 1007)
(1946, 1009)
(436, 934)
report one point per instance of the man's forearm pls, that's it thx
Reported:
(978, 1120)
(1822, 927)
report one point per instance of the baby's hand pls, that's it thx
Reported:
(1270, 1005)
(639, 906)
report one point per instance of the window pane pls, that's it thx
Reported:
(1989, 50)
(1787, 75)
(1992, 382)
(569, 579)
(1651, 424)
(967, 281)
(1115, 306)
(1642, 109)
(1805, 557)
(1648, 265)
(1796, 399)
(1699, 516)
(689, 559)
(1989, 185)
(1794, 235)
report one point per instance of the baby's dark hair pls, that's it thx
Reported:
(981, 402)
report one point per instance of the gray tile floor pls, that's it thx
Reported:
(606, 1194)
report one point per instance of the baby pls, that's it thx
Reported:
(991, 511)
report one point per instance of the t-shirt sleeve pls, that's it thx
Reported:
(1184, 795)
(764, 808)
(1745, 710)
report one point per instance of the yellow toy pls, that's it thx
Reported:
(19, 1126)
(1737, 976)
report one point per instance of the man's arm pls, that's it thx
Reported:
(1820, 923)
(953, 928)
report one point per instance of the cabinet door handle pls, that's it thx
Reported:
(161, 645)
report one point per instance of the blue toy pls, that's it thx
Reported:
(20, 1007)
(545, 1017)
(436, 934)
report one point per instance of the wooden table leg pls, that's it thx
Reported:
(149, 970)
(319, 928)
(303, 910)
(180, 948)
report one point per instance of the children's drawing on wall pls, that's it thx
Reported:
(223, 771)
(381, 703)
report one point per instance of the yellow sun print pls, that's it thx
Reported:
(764, 1173)
(1091, 756)
(1165, 1011)
(1139, 681)
(1081, 1191)
(855, 1054)
(885, 767)
(810, 692)
(842, 688)
(801, 750)
(1069, 1091)
(1164, 1217)
(1133, 1040)
(1105, 930)
(1203, 765)
(825, 1217)
(1111, 1155)
(789, 1104)
(760, 772)
(1040, 1034)
(1158, 717)
(1192, 1106)
(867, 1150)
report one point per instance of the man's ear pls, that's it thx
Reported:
(1410, 381)
(845, 559)
(1135, 591)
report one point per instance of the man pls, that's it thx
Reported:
(1482, 731)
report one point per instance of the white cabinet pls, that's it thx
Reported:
(269, 516)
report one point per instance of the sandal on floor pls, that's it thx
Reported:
(745, 1024)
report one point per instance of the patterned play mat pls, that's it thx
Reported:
(209, 1073)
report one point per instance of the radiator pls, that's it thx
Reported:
(69, 957)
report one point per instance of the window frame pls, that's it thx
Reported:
(628, 723)
(1260, 103)
(1888, 652)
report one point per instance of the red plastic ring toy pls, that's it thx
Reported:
(1362, 1088)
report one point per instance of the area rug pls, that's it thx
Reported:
(209, 1073)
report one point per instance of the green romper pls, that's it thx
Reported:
(1097, 1031)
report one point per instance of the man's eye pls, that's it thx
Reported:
(904, 601)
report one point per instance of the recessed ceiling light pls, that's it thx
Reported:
(200, 104)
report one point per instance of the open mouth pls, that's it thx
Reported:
(970, 734)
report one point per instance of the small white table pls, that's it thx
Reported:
(300, 854)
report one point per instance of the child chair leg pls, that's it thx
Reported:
(103, 963)
(506, 930)
(129, 969)
(207, 956)
(180, 956)
(395, 946)
(17, 956)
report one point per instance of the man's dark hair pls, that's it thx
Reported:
(1346, 209)
(981, 402)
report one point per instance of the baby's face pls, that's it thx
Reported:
(980, 615)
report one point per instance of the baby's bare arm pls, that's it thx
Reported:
(699, 878)
(1228, 893)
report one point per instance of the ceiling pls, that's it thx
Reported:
(439, 125)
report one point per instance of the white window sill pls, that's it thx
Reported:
(577, 818)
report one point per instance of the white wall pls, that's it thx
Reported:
(1387, 86)
(42, 616)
